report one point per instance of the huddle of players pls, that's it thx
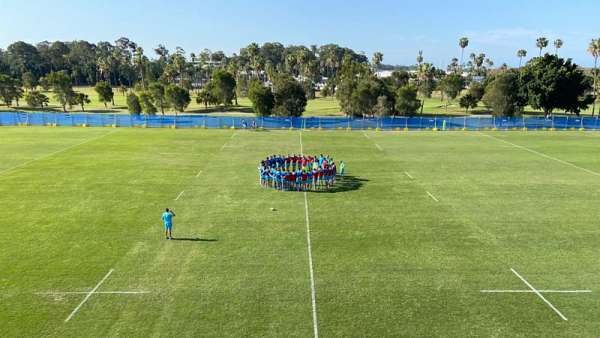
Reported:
(295, 172)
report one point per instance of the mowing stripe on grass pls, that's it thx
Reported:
(88, 295)
(432, 197)
(55, 153)
(409, 176)
(538, 293)
(531, 291)
(96, 293)
(313, 292)
(180, 194)
(544, 155)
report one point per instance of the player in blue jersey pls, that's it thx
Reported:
(167, 218)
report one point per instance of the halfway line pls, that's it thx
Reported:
(539, 294)
(407, 174)
(198, 174)
(378, 147)
(313, 292)
(178, 196)
(89, 294)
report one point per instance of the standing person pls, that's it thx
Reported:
(167, 218)
(342, 168)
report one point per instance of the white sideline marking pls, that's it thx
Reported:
(433, 197)
(313, 292)
(378, 147)
(96, 293)
(180, 194)
(88, 295)
(55, 153)
(407, 174)
(544, 155)
(367, 136)
(539, 294)
(531, 291)
(199, 173)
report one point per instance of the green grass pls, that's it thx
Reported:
(388, 259)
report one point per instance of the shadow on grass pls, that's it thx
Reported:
(194, 239)
(344, 184)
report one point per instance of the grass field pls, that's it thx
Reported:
(403, 246)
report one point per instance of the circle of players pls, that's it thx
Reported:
(299, 173)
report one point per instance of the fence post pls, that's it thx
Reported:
(581, 123)
(567, 124)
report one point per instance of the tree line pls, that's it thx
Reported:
(280, 79)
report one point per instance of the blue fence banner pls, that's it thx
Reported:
(388, 123)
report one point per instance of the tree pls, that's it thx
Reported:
(29, 80)
(521, 53)
(223, 85)
(62, 87)
(157, 91)
(290, 98)
(420, 58)
(594, 50)
(452, 85)
(553, 83)
(377, 60)
(133, 104)
(463, 43)
(105, 92)
(206, 97)
(406, 100)
(558, 43)
(79, 99)
(468, 101)
(9, 90)
(177, 97)
(36, 99)
(477, 90)
(262, 98)
(383, 108)
(503, 94)
(148, 107)
(541, 43)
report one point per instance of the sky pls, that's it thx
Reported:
(398, 29)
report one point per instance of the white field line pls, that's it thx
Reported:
(378, 147)
(96, 293)
(180, 194)
(367, 136)
(538, 293)
(531, 291)
(544, 155)
(432, 197)
(199, 173)
(409, 176)
(55, 153)
(88, 295)
(313, 292)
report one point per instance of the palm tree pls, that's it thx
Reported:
(420, 58)
(541, 43)
(521, 53)
(594, 50)
(377, 59)
(139, 61)
(463, 43)
(558, 43)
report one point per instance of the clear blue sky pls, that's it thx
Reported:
(396, 28)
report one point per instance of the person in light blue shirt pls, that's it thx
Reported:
(167, 218)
